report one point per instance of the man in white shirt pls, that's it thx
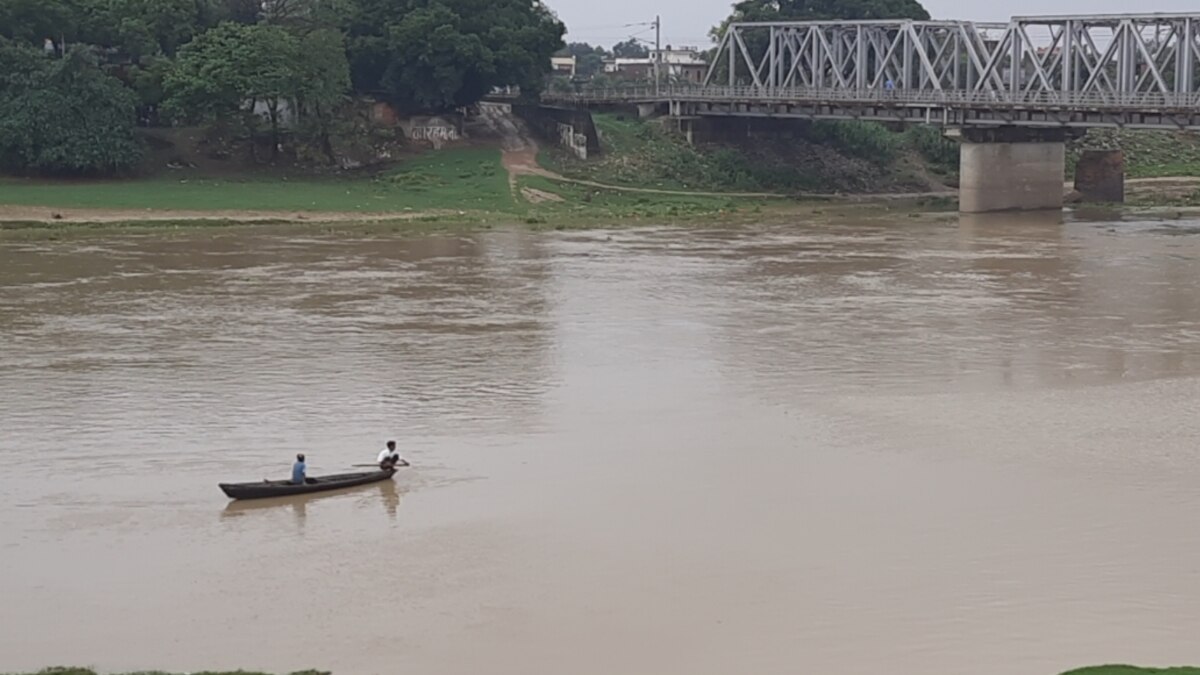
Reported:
(389, 458)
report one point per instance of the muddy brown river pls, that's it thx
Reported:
(901, 446)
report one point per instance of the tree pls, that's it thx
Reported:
(589, 60)
(223, 76)
(820, 10)
(630, 49)
(63, 116)
(242, 11)
(324, 79)
(220, 77)
(129, 38)
(436, 65)
(808, 10)
(31, 21)
(303, 16)
(138, 28)
(436, 55)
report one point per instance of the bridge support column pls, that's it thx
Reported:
(697, 129)
(1100, 176)
(1011, 169)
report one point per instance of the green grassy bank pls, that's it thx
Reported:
(1148, 154)
(846, 157)
(461, 185)
(462, 178)
(469, 185)
(850, 157)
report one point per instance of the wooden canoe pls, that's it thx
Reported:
(285, 488)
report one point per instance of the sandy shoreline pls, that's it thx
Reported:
(15, 213)
(23, 214)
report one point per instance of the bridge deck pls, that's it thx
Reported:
(947, 108)
(1137, 70)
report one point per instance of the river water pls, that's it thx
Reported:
(848, 446)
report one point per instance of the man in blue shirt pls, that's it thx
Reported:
(298, 470)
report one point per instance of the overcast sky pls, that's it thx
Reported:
(686, 22)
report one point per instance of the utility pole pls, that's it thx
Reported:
(657, 51)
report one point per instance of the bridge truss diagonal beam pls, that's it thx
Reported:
(1111, 57)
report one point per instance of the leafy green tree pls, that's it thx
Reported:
(63, 117)
(630, 49)
(224, 75)
(31, 21)
(307, 15)
(807, 10)
(146, 79)
(589, 60)
(242, 11)
(323, 79)
(436, 55)
(434, 63)
(138, 28)
(822, 10)
(221, 75)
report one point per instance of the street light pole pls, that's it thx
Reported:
(657, 51)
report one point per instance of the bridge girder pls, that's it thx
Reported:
(1098, 57)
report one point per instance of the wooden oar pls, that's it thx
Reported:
(376, 465)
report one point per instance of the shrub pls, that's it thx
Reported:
(866, 140)
(934, 147)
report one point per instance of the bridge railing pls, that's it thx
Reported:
(1042, 99)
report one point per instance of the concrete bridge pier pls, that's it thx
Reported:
(653, 109)
(1010, 168)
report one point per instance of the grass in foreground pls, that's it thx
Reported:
(468, 179)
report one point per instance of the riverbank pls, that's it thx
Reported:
(539, 203)
(465, 186)
(509, 180)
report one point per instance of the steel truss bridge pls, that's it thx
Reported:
(1045, 71)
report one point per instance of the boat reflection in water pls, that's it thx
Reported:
(386, 491)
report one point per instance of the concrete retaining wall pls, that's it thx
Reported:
(571, 128)
(436, 130)
(735, 129)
